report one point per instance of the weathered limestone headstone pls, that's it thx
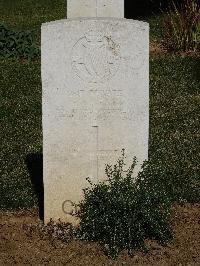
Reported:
(95, 79)
(95, 8)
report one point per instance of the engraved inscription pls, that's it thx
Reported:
(97, 115)
(69, 207)
(95, 57)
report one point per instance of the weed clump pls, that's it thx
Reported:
(182, 26)
(123, 212)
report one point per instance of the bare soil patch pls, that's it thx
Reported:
(19, 248)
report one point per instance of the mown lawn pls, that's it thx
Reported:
(21, 130)
(29, 14)
(174, 112)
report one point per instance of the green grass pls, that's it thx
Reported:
(174, 123)
(20, 115)
(27, 14)
(156, 27)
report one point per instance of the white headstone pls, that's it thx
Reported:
(95, 78)
(95, 8)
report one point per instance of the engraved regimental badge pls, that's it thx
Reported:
(95, 57)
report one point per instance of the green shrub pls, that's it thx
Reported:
(17, 44)
(121, 213)
(182, 26)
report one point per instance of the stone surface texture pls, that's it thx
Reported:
(95, 8)
(95, 77)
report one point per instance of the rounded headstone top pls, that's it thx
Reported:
(137, 23)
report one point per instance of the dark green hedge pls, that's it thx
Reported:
(17, 44)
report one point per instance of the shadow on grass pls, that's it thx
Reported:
(34, 162)
(196, 70)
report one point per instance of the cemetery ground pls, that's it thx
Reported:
(18, 246)
(174, 133)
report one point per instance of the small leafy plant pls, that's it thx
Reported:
(17, 44)
(123, 212)
(182, 26)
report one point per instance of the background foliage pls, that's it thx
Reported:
(182, 26)
(17, 44)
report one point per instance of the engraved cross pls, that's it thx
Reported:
(96, 8)
(100, 152)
